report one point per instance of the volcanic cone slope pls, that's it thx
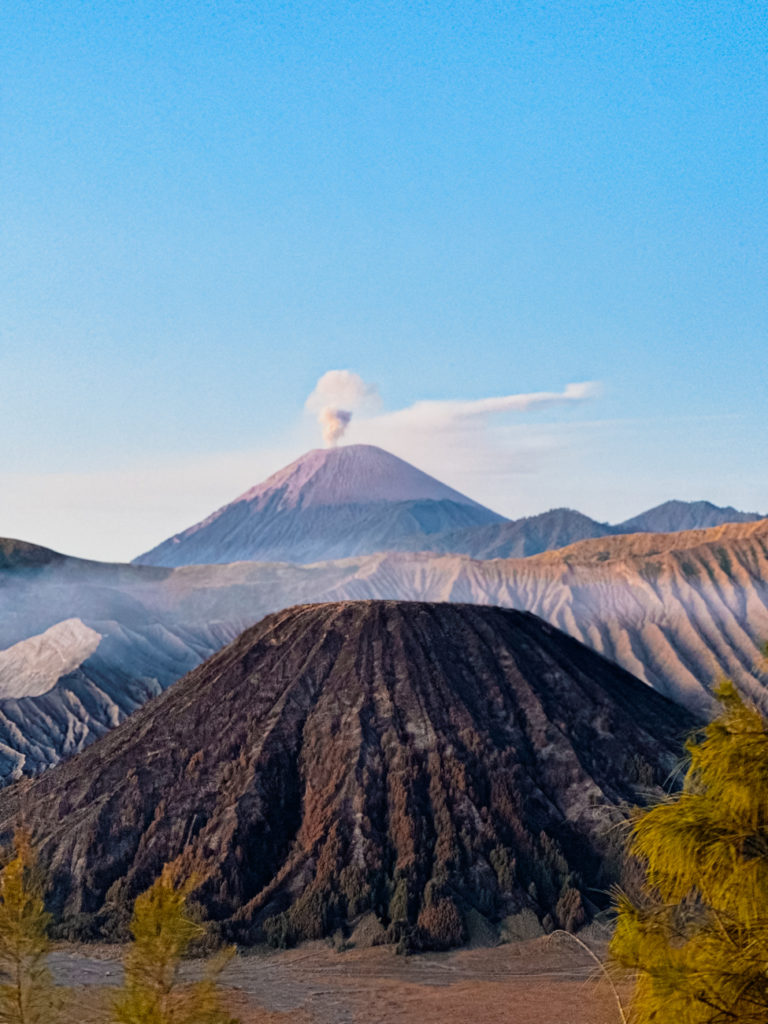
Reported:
(330, 503)
(423, 763)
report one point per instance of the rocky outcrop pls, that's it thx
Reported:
(417, 762)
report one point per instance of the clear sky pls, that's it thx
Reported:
(205, 206)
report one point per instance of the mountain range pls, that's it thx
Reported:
(437, 730)
(84, 644)
(342, 502)
(676, 610)
(411, 767)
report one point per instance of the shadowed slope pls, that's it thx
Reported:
(19, 554)
(417, 761)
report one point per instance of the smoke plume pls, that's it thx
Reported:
(333, 422)
(335, 397)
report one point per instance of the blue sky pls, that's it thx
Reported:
(206, 206)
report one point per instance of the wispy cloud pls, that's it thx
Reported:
(340, 393)
(452, 413)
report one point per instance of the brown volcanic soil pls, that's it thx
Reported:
(540, 982)
(428, 763)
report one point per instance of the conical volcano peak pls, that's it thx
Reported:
(351, 474)
(330, 503)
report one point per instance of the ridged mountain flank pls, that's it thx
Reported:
(417, 766)
(330, 503)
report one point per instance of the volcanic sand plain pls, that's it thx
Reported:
(542, 981)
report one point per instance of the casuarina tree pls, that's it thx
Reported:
(27, 992)
(696, 933)
(163, 931)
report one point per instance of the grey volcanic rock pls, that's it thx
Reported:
(417, 761)
(330, 503)
(684, 515)
(34, 666)
(63, 682)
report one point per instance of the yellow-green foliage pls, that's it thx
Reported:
(162, 933)
(27, 992)
(697, 937)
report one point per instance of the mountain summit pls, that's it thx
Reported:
(330, 503)
(353, 474)
(359, 499)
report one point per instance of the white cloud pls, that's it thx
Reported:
(472, 445)
(459, 413)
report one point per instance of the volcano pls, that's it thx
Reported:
(330, 503)
(419, 766)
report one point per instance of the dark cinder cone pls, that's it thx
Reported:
(422, 763)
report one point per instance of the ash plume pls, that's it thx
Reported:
(333, 422)
(337, 394)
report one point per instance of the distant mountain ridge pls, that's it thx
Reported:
(518, 538)
(359, 499)
(672, 516)
(19, 554)
(560, 527)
